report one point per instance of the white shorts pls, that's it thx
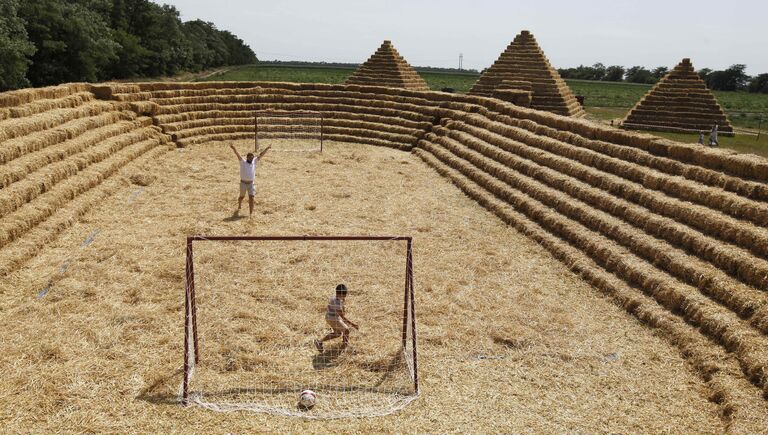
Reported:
(337, 325)
(250, 188)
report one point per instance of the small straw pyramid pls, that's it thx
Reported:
(680, 101)
(387, 68)
(524, 61)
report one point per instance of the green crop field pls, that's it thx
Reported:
(318, 74)
(277, 73)
(613, 100)
(604, 101)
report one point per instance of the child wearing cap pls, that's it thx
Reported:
(334, 316)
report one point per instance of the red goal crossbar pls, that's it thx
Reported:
(284, 114)
(190, 307)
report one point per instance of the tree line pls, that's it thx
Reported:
(45, 42)
(733, 78)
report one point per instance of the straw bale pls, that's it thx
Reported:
(207, 122)
(178, 109)
(43, 180)
(146, 108)
(716, 321)
(26, 96)
(20, 250)
(17, 169)
(369, 141)
(15, 127)
(183, 143)
(701, 218)
(215, 130)
(742, 299)
(142, 179)
(40, 106)
(719, 160)
(738, 207)
(20, 146)
(24, 218)
(376, 126)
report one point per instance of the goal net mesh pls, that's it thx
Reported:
(289, 131)
(261, 304)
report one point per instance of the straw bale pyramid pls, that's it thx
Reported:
(678, 102)
(524, 61)
(387, 68)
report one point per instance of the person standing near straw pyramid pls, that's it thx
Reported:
(713, 137)
(248, 177)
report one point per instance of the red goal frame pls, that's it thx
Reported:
(190, 307)
(285, 114)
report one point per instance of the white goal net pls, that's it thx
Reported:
(289, 131)
(256, 305)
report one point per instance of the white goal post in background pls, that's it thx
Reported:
(261, 364)
(289, 130)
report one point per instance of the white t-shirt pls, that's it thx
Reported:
(248, 170)
(335, 307)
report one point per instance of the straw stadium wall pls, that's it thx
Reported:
(59, 149)
(674, 233)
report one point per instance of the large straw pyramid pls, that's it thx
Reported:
(678, 102)
(387, 68)
(524, 61)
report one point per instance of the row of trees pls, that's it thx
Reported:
(45, 42)
(734, 78)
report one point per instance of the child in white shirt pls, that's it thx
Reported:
(334, 316)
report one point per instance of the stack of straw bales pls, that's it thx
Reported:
(386, 67)
(630, 214)
(678, 102)
(517, 92)
(523, 60)
(58, 146)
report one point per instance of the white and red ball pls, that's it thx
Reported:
(307, 399)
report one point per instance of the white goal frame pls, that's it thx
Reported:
(191, 344)
(294, 114)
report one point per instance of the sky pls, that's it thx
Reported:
(651, 33)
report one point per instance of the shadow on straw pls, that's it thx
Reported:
(235, 217)
(327, 358)
(160, 392)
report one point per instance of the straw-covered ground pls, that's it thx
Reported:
(510, 340)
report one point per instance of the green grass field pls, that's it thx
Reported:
(317, 74)
(604, 101)
(615, 99)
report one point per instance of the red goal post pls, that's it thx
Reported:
(191, 344)
(295, 124)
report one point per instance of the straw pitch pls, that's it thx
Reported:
(113, 359)
(673, 234)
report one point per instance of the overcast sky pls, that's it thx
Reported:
(714, 34)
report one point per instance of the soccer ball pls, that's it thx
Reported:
(307, 399)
